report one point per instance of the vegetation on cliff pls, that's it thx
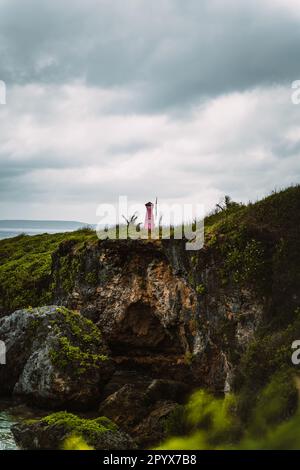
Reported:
(254, 247)
(246, 282)
(252, 242)
(26, 267)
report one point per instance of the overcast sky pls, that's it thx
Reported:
(184, 100)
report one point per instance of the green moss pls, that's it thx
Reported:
(91, 278)
(106, 422)
(77, 336)
(194, 260)
(200, 289)
(80, 328)
(188, 358)
(34, 325)
(30, 421)
(68, 355)
(89, 429)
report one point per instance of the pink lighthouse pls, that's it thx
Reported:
(149, 219)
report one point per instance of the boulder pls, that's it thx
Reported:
(153, 429)
(55, 358)
(123, 377)
(55, 431)
(129, 405)
(126, 407)
(171, 390)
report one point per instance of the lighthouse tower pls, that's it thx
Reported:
(149, 219)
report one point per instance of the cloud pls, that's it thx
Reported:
(184, 100)
(168, 53)
(68, 151)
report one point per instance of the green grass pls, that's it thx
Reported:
(26, 267)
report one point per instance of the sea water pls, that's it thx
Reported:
(7, 441)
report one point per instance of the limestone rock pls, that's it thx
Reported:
(55, 357)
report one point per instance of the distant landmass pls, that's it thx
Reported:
(12, 228)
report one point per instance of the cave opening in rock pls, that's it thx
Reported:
(140, 333)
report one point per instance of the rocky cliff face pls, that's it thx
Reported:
(143, 306)
(146, 310)
(163, 311)
(166, 316)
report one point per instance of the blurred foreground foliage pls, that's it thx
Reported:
(215, 422)
(210, 423)
(76, 443)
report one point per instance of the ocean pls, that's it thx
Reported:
(13, 228)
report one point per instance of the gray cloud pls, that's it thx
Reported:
(184, 100)
(170, 53)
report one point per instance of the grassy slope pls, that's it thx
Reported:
(259, 246)
(25, 267)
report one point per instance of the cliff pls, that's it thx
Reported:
(222, 318)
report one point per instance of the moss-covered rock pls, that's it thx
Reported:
(55, 357)
(53, 431)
